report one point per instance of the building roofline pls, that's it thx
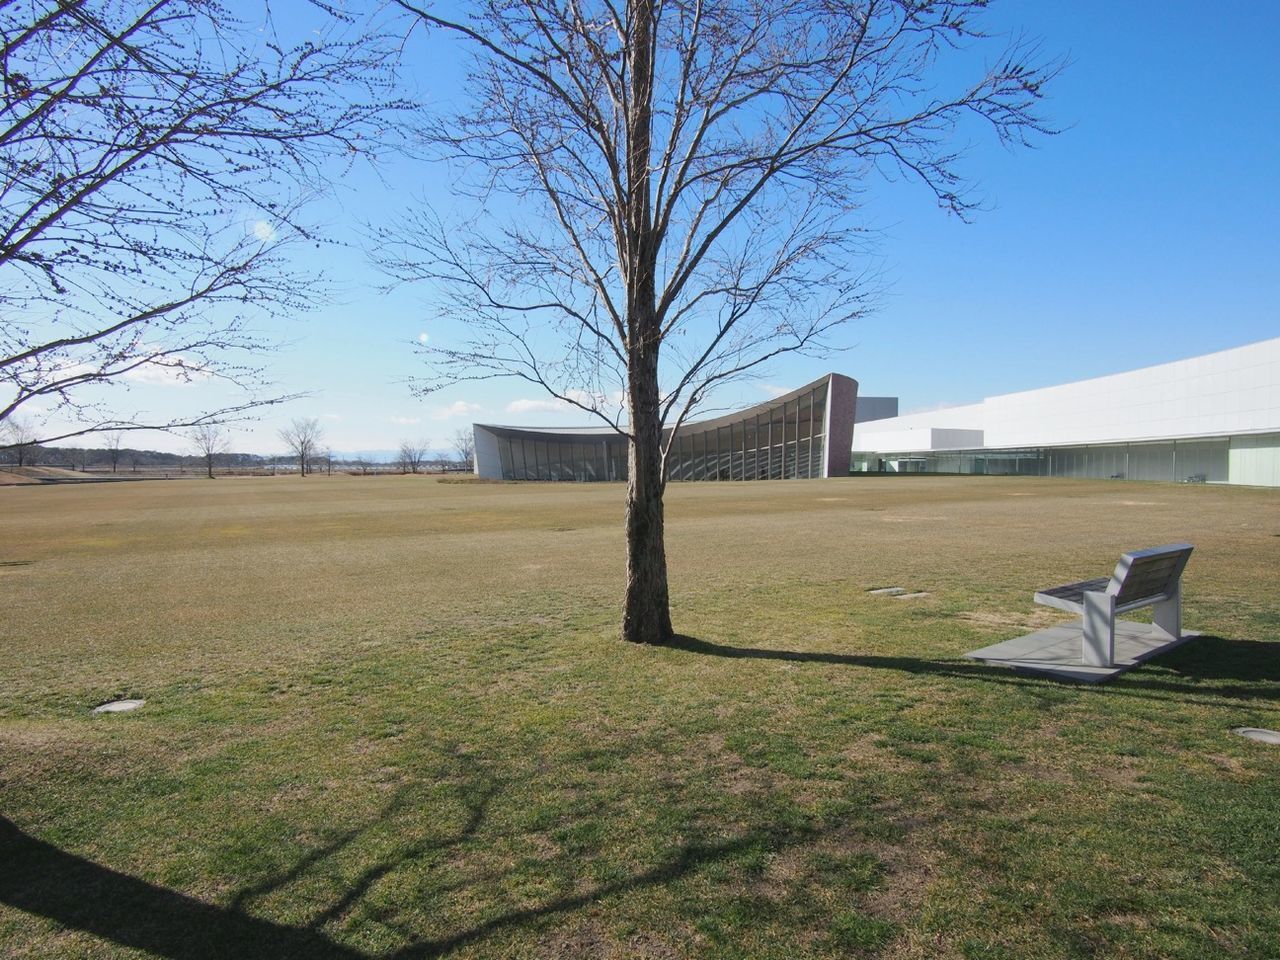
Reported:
(689, 426)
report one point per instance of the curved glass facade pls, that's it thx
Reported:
(803, 434)
(541, 455)
(782, 442)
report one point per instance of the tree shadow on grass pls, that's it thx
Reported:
(946, 668)
(1251, 668)
(78, 894)
(82, 895)
(476, 796)
(686, 859)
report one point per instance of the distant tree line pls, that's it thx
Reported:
(120, 459)
(306, 452)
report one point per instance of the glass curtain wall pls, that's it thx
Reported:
(783, 442)
(1190, 461)
(527, 457)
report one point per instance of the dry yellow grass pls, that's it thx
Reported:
(118, 570)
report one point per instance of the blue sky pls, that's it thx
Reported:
(1145, 231)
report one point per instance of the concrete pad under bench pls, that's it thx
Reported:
(1056, 651)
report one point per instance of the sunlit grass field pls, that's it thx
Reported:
(391, 717)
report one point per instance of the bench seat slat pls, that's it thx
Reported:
(1070, 596)
(1076, 591)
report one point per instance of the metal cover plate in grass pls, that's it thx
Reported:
(1257, 733)
(119, 706)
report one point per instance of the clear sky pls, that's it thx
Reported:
(1146, 231)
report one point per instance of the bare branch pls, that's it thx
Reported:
(155, 160)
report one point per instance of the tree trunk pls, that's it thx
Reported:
(646, 612)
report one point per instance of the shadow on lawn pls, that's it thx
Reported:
(1206, 660)
(1217, 658)
(476, 799)
(906, 664)
(82, 895)
(79, 894)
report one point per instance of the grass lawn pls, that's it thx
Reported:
(390, 717)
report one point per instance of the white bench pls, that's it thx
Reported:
(1144, 578)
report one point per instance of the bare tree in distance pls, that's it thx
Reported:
(69, 453)
(154, 159)
(303, 437)
(210, 441)
(112, 442)
(666, 195)
(20, 439)
(464, 445)
(412, 455)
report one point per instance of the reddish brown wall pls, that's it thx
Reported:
(841, 407)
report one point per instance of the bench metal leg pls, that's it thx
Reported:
(1099, 644)
(1167, 614)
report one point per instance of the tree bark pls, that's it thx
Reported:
(646, 611)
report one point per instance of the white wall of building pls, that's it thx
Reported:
(488, 464)
(916, 428)
(1231, 392)
(1220, 394)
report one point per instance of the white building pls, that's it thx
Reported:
(1214, 419)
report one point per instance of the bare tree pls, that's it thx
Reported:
(684, 177)
(154, 155)
(464, 445)
(412, 454)
(112, 441)
(210, 441)
(303, 437)
(21, 440)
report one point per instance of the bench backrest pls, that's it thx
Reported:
(1149, 574)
